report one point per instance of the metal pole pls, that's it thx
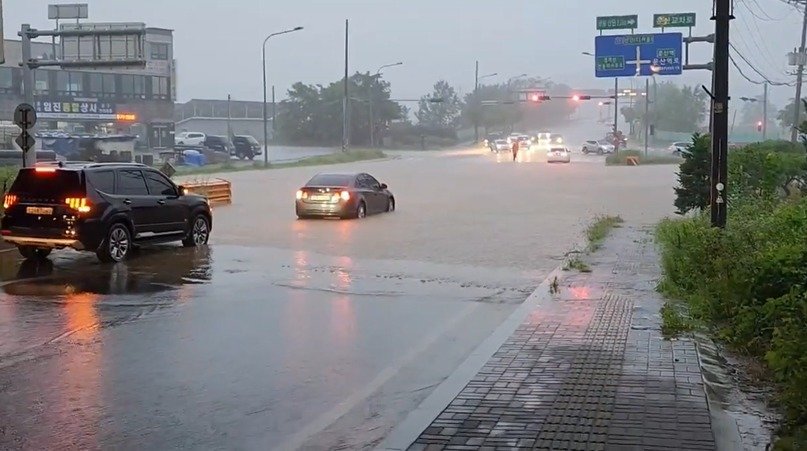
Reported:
(720, 113)
(765, 113)
(28, 158)
(345, 131)
(265, 126)
(274, 115)
(794, 133)
(646, 112)
(476, 103)
(229, 119)
(616, 115)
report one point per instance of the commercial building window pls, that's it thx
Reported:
(68, 83)
(159, 88)
(102, 85)
(159, 51)
(6, 79)
(41, 83)
(133, 86)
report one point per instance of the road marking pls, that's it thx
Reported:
(323, 421)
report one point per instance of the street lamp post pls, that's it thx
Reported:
(371, 98)
(476, 97)
(265, 119)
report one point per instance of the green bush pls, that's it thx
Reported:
(750, 282)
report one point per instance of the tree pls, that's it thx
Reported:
(312, 114)
(693, 191)
(676, 109)
(443, 114)
(786, 115)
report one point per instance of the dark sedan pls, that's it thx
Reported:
(343, 196)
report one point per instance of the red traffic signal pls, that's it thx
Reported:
(535, 97)
(578, 97)
(759, 126)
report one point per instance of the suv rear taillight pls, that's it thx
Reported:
(79, 204)
(9, 200)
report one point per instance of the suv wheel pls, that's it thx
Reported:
(199, 232)
(117, 244)
(33, 253)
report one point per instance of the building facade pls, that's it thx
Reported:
(137, 101)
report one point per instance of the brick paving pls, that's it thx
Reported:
(588, 371)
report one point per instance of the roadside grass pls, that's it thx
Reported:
(674, 321)
(621, 159)
(598, 230)
(334, 158)
(577, 264)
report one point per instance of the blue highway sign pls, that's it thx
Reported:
(630, 55)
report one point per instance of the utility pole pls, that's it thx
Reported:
(794, 133)
(345, 99)
(29, 157)
(476, 101)
(720, 112)
(765, 113)
(646, 113)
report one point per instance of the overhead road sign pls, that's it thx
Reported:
(676, 20)
(638, 54)
(618, 22)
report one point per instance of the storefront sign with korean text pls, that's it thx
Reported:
(74, 109)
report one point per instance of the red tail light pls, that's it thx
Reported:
(9, 200)
(45, 169)
(79, 204)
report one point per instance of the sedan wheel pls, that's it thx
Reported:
(390, 205)
(361, 212)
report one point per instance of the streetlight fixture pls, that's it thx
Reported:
(265, 120)
(372, 122)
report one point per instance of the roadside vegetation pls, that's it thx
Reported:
(334, 158)
(596, 233)
(747, 283)
(621, 159)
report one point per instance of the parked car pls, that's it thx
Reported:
(219, 144)
(190, 139)
(343, 196)
(107, 208)
(558, 154)
(246, 146)
(598, 147)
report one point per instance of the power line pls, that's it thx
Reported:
(762, 50)
(764, 77)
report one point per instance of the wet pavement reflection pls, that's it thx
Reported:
(231, 346)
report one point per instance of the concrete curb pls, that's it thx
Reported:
(407, 431)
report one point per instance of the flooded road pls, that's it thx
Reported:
(285, 334)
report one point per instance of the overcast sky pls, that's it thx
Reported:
(218, 43)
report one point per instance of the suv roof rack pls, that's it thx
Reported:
(87, 164)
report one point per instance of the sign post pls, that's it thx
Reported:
(25, 118)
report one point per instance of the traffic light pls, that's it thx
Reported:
(534, 97)
(759, 126)
(578, 97)
(537, 97)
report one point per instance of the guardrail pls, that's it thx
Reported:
(217, 191)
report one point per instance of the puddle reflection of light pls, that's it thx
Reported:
(580, 292)
(343, 278)
(301, 265)
(81, 314)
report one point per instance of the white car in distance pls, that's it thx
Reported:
(558, 154)
(190, 139)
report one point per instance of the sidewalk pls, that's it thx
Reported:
(588, 369)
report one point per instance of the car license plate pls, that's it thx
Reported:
(321, 197)
(39, 210)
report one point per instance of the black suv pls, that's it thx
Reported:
(246, 146)
(108, 208)
(219, 144)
